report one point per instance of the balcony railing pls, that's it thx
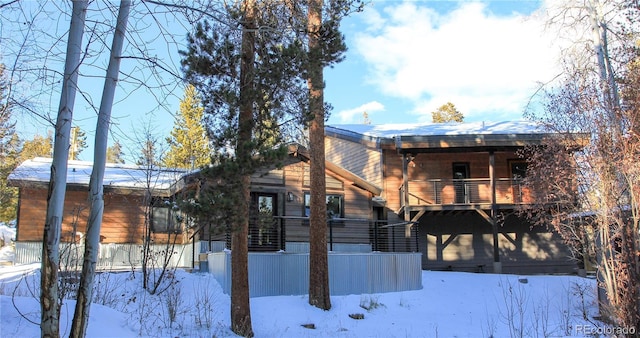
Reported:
(291, 234)
(464, 191)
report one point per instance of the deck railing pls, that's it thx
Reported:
(464, 191)
(290, 233)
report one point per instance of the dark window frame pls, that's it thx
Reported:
(307, 199)
(512, 173)
(164, 217)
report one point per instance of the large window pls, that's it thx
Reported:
(165, 217)
(335, 205)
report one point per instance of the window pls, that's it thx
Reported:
(335, 205)
(165, 217)
(518, 170)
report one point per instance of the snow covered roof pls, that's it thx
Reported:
(435, 136)
(441, 129)
(38, 170)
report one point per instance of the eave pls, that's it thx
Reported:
(355, 179)
(121, 190)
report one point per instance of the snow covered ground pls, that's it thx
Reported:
(450, 304)
(7, 235)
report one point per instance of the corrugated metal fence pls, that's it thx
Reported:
(282, 273)
(109, 255)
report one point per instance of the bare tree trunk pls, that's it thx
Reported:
(601, 48)
(240, 309)
(96, 191)
(49, 302)
(319, 295)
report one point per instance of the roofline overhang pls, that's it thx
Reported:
(455, 143)
(161, 192)
(482, 141)
(357, 180)
(373, 142)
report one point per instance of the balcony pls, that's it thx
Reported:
(463, 192)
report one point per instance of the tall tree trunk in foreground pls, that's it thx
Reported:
(240, 309)
(319, 295)
(96, 191)
(49, 302)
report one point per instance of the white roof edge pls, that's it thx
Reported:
(393, 130)
(116, 175)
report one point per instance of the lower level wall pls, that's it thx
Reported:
(465, 243)
(281, 273)
(109, 255)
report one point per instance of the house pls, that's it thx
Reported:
(278, 229)
(279, 195)
(130, 193)
(366, 254)
(459, 184)
(449, 192)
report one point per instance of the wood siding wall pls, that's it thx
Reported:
(123, 219)
(357, 158)
(293, 178)
(429, 166)
(357, 204)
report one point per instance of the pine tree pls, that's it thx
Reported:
(9, 155)
(365, 118)
(250, 84)
(319, 294)
(78, 142)
(325, 47)
(39, 146)
(115, 154)
(447, 113)
(247, 82)
(148, 154)
(188, 144)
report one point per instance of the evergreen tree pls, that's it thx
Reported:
(39, 146)
(78, 142)
(248, 81)
(115, 154)
(365, 118)
(188, 144)
(325, 47)
(9, 155)
(148, 154)
(447, 113)
(252, 82)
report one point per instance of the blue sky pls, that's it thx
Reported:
(405, 59)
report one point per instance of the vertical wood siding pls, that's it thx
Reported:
(429, 166)
(123, 219)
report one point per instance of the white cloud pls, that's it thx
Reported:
(347, 116)
(479, 61)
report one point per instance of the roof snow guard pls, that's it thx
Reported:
(37, 172)
(432, 136)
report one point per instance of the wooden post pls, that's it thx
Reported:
(405, 187)
(497, 265)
